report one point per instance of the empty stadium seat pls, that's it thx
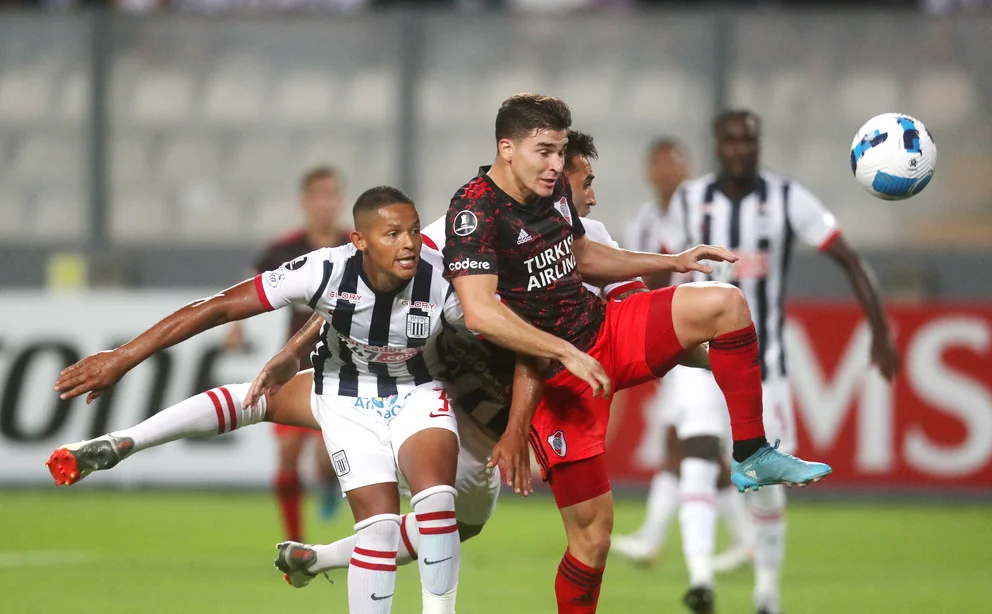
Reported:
(863, 95)
(60, 215)
(141, 217)
(13, 213)
(234, 93)
(161, 97)
(187, 157)
(25, 93)
(372, 97)
(944, 98)
(306, 96)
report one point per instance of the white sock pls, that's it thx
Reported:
(439, 547)
(768, 511)
(213, 412)
(337, 555)
(733, 512)
(372, 572)
(663, 501)
(697, 516)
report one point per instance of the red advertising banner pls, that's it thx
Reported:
(931, 428)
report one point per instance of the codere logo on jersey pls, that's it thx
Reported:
(551, 265)
(468, 264)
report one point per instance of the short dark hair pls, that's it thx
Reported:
(728, 114)
(666, 142)
(522, 114)
(579, 144)
(376, 198)
(316, 174)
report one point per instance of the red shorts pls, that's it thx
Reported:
(300, 431)
(636, 343)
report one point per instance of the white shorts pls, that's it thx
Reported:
(477, 486)
(700, 410)
(696, 404)
(363, 435)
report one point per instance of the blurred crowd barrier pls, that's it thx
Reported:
(177, 131)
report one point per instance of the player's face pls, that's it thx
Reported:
(580, 180)
(391, 242)
(667, 168)
(737, 147)
(321, 202)
(536, 161)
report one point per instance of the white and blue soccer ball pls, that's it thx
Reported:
(893, 156)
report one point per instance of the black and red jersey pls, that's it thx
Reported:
(529, 247)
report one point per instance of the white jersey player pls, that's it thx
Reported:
(658, 226)
(757, 214)
(377, 396)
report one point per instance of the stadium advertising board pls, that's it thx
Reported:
(931, 429)
(42, 333)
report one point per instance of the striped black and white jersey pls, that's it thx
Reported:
(372, 344)
(657, 231)
(760, 229)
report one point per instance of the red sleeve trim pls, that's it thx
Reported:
(830, 239)
(261, 293)
(429, 242)
(627, 287)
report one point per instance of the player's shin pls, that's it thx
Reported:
(697, 517)
(439, 548)
(737, 369)
(211, 413)
(577, 586)
(768, 511)
(337, 555)
(216, 411)
(372, 569)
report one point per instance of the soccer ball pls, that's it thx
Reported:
(893, 156)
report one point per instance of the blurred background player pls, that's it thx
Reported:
(321, 198)
(654, 228)
(756, 214)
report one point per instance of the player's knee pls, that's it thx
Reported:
(724, 302)
(468, 531)
(710, 308)
(594, 546)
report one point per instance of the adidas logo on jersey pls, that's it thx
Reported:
(523, 237)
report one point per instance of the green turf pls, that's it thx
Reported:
(163, 552)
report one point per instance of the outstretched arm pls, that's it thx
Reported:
(487, 316)
(862, 280)
(603, 263)
(96, 373)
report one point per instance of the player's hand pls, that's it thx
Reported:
(512, 454)
(588, 369)
(690, 260)
(93, 374)
(884, 355)
(274, 375)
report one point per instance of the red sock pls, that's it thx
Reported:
(577, 586)
(289, 492)
(737, 370)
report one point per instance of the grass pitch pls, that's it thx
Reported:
(87, 551)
